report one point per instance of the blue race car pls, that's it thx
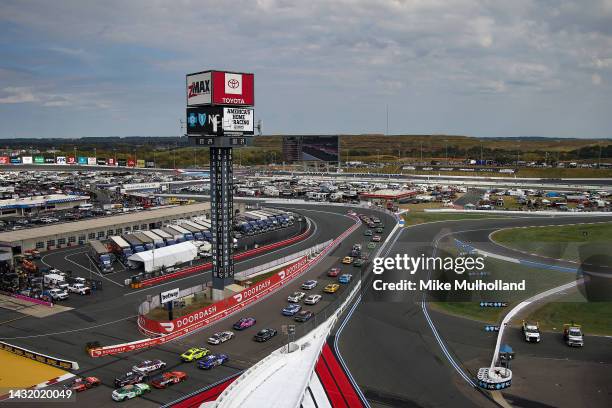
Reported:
(345, 278)
(291, 309)
(212, 360)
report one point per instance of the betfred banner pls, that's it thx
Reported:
(5, 160)
(220, 88)
(60, 160)
(231, 88)
(27, 160)
(82, 160)
(91, 161)
(72, 160)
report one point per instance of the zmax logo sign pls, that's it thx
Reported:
(198, 88)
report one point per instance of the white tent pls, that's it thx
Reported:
(165, 257)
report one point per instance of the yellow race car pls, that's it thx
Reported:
(347, 260)
(194, 353)
(331, 288)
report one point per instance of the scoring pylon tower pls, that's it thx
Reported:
(220, 116)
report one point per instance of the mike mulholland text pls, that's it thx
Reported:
(436, 285)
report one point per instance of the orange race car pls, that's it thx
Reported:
(169, 378)
(82, 384)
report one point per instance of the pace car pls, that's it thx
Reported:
(212, 360)
(220, 337)
(148, 366)
(331, 288)
(296, 297)
(194, 353)
(309, 284)
(312, 299)
(345, 278)
(244, 323)
(265, 335)
(130, 391)
(169, 378)
(129, 378)
(291, 309)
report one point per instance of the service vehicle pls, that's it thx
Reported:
(244, 323)
(303, 316)
(57, 294)
(367, 233)
(376, 238)
(295, 297)
(148, 366)
(572, 334)
(345, 278)
(265, 335)
(291, 309)
(312, 299)
(169, 378)
(333, 272)
(347, 260)
(54, 279)
(309, 284)
(79, 288)
(130, 391)
(531, 331)
(82, 384)
(194, 353)
(212, 361)
(129, 378)
(331, 288)
(220, 337)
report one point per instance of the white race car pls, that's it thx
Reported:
(220, 337)
(295, 297)
(312, 299)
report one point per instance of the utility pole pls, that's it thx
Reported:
(387, 128)
(421, 152)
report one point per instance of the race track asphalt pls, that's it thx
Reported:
(393, 355)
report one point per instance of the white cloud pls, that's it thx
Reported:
(15, 95)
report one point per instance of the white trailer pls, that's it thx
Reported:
(165, 257)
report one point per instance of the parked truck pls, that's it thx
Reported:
(134, 242)
(147, 242)
(531, 331)
(100, 254)
(168, 239)
(572, 334)
(157, 240)
(120, 247)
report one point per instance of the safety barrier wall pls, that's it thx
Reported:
(171, 330)
(42, 358)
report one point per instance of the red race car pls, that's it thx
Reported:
(169, 378)
(82, 384)
(333, 272)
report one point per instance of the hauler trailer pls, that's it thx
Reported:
(205, 224)
(134, 242)
(157, 240)
(101, 256)
(267, 218)
(120, 247)
(280, 218)
(168, 239)
(258, 219)
(202, 229)
(177, 236)
(246, 225)
(284, 215)
(147, 242)
(186, 233)
(197, 234)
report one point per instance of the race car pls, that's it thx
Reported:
(220, 337)
(312, 299)
(333, 272)
(380, 229)
(371, 245)
(295, 297)
(212, 360)
(129, 378)
(345, 278)
(264, 335)
(82, 384)
(130, 391)
(244, 323)
(169, 378)
(291, 309)
(194, 353)
(376, 238)
(331, 288)
(358, 263)
(303, 316)
(347, 260)
(149, 366)
(309, 284)
(368, 233)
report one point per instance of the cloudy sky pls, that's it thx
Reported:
(482, 68)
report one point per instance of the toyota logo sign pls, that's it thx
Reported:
(233, 83)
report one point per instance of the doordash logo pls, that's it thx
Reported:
(167, 326)
(238, 297)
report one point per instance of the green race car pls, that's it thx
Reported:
(130, 391)
(371, 245)
(194, 353)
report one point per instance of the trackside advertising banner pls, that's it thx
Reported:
(169, 330)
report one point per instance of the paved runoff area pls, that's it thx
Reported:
(28, 308)
(22, 372)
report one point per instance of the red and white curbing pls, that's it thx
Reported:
(54, 381)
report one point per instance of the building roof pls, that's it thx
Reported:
(389, 194)
(100, 222)
(40, 201)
